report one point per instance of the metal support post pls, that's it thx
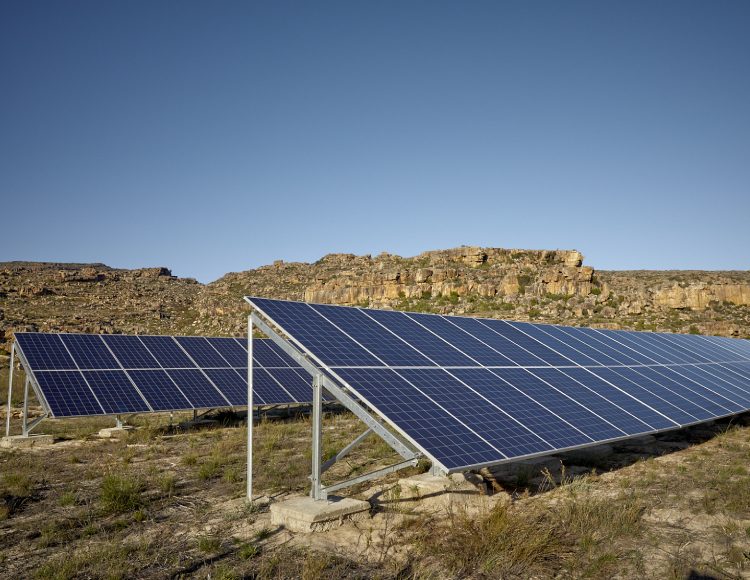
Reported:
(10, 387)
(316, 492)
(25, 425)
(118, 422)
(249, 409)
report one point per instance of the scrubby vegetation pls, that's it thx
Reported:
(166, 502)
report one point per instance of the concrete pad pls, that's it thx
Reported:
(29, 441)
(304, 514)
(114, 432)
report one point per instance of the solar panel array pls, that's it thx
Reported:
(471, 392)
(112, 374)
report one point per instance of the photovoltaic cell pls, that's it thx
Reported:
(460, 339)
(416, 332)
(115, 392)
(204, 355)
(67, 394)
(418, 416)
(167, 352)
(130, 351)
(385, 345)
(231, 351)
(159, 390)
(231, 383)
(198, 389)
(89, 351)
(44, 351)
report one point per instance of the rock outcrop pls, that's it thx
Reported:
(542, 285)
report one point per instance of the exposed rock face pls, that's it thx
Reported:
(543, 285)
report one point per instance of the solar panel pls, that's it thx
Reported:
(469, 392)
(91, 374)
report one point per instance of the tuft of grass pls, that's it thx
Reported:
(248, 551)
(67, 499)
(167, 484)
(120, 494)
(208, 543)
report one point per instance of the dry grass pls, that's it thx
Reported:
(163, 502)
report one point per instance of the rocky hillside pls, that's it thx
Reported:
(551, 286)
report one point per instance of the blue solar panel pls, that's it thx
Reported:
(67, 394)
(741, 347)
(461, 340)
(383, 344)
(201, 393)
(500, 430)
(692, 397)
(501, 345)
(522, 407)
(655, 396)
(266, 388)
(130, 351)
(204, 355)
(702, 380)
(135, 380)
(607, 338)
(115, 392)
(740, 386)
(428, 424)
(622, 396)
(539, 333)
(574, 414)
(89, 351)
(231, 383)
(231, 351)
(504, 329)
(500, 390)
(323, 339)
(291, 381)
(167, 352)
(159, 390)
(619, 416)
(44, 351)
(285, 358)
(265, 356)
(651, 354)
(421, 331)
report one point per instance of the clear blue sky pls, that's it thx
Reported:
(218, 136)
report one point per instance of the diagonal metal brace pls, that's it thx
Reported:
(368, 476)
(344, 452)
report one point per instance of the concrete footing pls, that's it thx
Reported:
(427, 491)
(27, 441)
(304, 514)
(115, 432)
(426, 484)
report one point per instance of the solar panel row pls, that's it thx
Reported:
(471, 392)
(91, 374)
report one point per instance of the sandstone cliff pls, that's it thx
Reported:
(543, 285)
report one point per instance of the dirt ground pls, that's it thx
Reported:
(169, 502)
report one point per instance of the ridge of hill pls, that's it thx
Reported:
(540, 285)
